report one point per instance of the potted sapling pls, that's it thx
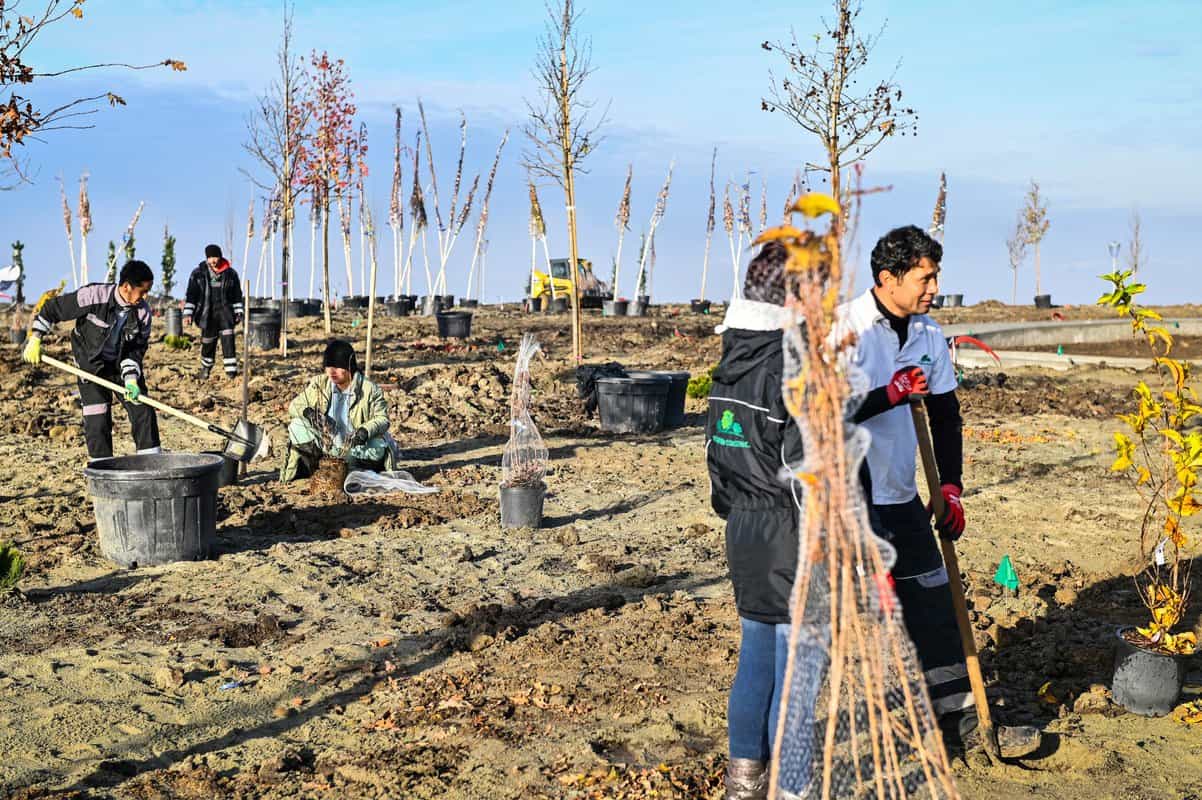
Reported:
(1160, 451)
(17, 329)
(524, 460)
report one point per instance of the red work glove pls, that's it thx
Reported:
(906, 382)
(952, 524)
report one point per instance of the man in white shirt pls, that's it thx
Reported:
(904, 355)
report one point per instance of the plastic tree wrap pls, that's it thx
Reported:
(524, 461)
(855, 718)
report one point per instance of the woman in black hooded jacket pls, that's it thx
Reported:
(751, 444)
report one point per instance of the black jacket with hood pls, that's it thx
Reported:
(749, 440)
(206, 307)
(103, 322)
(751, 445)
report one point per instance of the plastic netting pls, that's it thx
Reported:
(367, 483)
(855, 718)
(524, 460)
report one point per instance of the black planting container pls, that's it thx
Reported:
(1043, 301)
(355, 301)
(469, 303)
(638, 308)
(1146, 682)
(699, 306)
(229, 468)
(678, 385)
(954, 300)
(17, 335)
(264, 329)
(522, 506)
(155, 508)
(632, 405)
(535, 304)
(454, 324)
(615, 308)
(174, 318)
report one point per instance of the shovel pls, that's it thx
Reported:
(245, 443)
(1015, 742)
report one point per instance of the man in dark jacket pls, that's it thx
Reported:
(112, 332)
(214, 301)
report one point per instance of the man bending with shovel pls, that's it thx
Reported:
(905, 356)
(340, 414)
(112, 331)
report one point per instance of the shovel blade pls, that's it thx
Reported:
(248, 443)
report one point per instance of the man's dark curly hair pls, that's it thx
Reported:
(900, 250)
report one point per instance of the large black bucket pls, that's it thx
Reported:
(431, 304)
(229, 468)
(454, 324)
(678, 385)
(473, 303)
(155, 509)
(355, 301)
(614, 308)
(638, 308)
(632, 405)
(699, 306)
(296, 309)
(953, 300)
(1043, 301)
(264, 330)
(175, 321)
(1145, 682)
(522, 506)
(448, 300)
(17, 335)
(535, 304)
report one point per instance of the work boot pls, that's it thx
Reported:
(961, 734)
(746, 779)
(203, 375)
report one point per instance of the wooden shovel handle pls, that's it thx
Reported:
(952, 564)
(150, 401)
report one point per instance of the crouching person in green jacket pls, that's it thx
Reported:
(340, 414)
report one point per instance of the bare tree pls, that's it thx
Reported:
(1035, 225)
(1016, 248)
(276, 133)
(20, 118)
(561, 129)
(1136, 254)
(818, 92)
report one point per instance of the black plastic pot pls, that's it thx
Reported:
(699, 306)
(522, 506)
(588, 301)
(229, 468)
(312, 307)
(469, 303)
(264, 330)
(1146, 682)
(560, 305)
(17, 335)
(454, 324)
(678, 385)
(174, 319)
(632, 405)
(355, 301)
(448, 300)
(432, 304)
(535, 304)
(296, 308)
(938, 301)
(614, 308)
(954, 300)
(396, 308)
(1043, 301)
(639, 307)
(155, 509)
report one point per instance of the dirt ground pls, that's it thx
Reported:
(407, 646)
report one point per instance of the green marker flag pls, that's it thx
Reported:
(1005, 575)
(1059, 349)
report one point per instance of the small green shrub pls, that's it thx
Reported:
(12, 566)
(699, 386)
(178, 342)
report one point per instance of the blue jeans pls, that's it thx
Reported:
(751, 711)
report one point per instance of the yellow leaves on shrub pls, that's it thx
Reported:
(1045, 694)
(1183, 503)
(815, 204)
(176, 65)
(1172, 530)
(1156, 334)
(1125, 449)
(1189, 713)
(1167, 606)
(1175, 368)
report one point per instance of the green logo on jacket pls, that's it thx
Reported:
(730, 432)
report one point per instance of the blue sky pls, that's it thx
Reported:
(1099, 101)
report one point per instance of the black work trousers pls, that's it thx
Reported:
(220, 326)
(926, 601)
(98, 417)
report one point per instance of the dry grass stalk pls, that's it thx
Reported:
(939, 215)
(396, 212)
(622, 223)
(482, 224)
(538, 233)
(62, 191)
(85, 227)
(661, 205)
